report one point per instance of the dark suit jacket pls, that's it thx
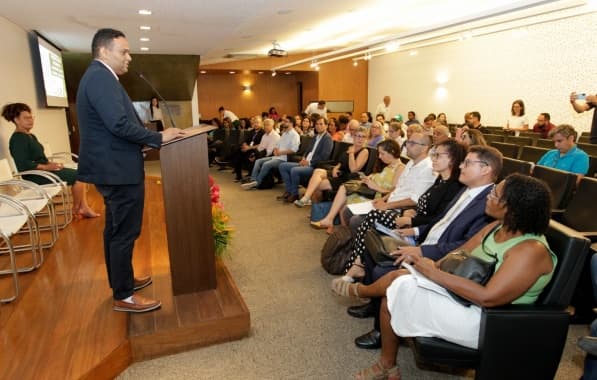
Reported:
(112, 134)
(460, 230)
(324, 149)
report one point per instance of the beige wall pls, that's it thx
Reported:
(18, 85)
(487, 73)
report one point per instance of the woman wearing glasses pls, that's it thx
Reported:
(382, 183)
(525, 264)
(446, 158)
(352, 161)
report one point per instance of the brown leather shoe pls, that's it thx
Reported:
(140, 304)
(141, 282)
(283, 196)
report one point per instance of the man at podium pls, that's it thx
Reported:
(110, 157)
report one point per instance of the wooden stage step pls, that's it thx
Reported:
(63, 326)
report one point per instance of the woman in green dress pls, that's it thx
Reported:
(28, 154)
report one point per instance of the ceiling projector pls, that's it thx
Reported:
(277, 51)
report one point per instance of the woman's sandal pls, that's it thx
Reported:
(394, 373)
(376, 372)
(342, 288)
(319, 226)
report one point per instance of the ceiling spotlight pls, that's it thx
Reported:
(273, 73)
(355, 63)
(288, 73)
(144, 12)
(202, 72)
(260, 72)
(145, 27)
(231, 72)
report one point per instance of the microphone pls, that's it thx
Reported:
(140, 75)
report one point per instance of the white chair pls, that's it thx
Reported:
(14, 216)
(37, 199)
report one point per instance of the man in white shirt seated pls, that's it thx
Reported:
(415, 179)
(266, 146)
(318, 108)
(288, 144)
(351, 130)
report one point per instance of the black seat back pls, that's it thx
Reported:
(339, 149)
(590, 149)
(560, 183)
(511, 165)
(581, 212)
(571, 249)
(519, 140)
(507, 149)
(490, 138)
(544, 143)
(532, 153)
(371, 161)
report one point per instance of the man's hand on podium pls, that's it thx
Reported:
(171, 134)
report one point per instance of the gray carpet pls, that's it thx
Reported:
(299, 329)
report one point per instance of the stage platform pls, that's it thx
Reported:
(63, 326)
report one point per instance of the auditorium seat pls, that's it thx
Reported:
(532, 135)
(507, 149)
(303, 146)
(590, 149)
(584, 139)
(512, 165)
(561, 184)
(580, 213)
(371, 161)
(544, 143)
(532, 153)
(490, 138)
(520, 341)
(519, 140)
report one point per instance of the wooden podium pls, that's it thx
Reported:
(200, 302)
(185, 171)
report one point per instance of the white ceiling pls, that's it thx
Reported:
(213, 29)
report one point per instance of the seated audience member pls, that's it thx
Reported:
(543, 125)
(521, 206)
(382, 121)
(247, 149)
(470, 137)
(567, 156)
(28, 154)
(243, 123)
(287, 144)
(318, 108)
(395, 132)
(416, 177)
(413, 128)
(517, 121)
(411, 119)
(440, 133)
(349, 164)
(382, 183)
(474, 121)
(351, 130)
(446, 160)
(442, 118)
(376, 134)
(460, 220)
(292, 172)
(428, 122)
(273, 114)
(366, 119)
(307, 127)
(333, 130)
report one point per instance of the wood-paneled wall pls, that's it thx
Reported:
(334, 81)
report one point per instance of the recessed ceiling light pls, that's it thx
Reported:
(145, 27)
(288, 73)
(144, 39)
(144, 48)
(232, 72)
(260, 72)
(144, 12)
(202, 72)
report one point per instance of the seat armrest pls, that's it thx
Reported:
(511, 334)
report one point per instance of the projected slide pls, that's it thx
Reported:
(53, 75)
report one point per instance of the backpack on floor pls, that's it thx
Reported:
(337, 250)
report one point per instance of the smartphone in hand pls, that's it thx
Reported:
(581, 96)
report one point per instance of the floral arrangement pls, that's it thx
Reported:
(222, 231)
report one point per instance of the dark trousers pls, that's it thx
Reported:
(124, 215)
(372, 273)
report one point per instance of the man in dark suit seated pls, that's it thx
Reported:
(462, 219)
(292, 172)
(112, 135)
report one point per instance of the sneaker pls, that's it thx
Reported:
(249, 185)
(220, 161)
(246, 180)
(302, 203)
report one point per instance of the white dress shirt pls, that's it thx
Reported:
(414, 181)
